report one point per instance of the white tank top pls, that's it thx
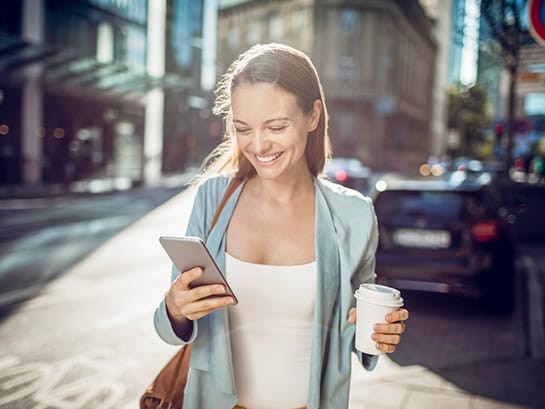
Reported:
(271, 332)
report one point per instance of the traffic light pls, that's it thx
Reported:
(499, 130)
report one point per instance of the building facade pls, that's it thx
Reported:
(441, 12)
(376, 60)
(529, 108)
(84, 85)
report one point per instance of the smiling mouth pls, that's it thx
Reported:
(269, 158)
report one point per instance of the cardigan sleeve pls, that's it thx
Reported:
(161, 321)
(365, 273)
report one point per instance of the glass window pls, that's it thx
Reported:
(349, 20)
(185, 35)
(136, 48)
(67, 29)
(105, 42)
(346, 127)
(347, 69)
(298, 19)
(534, 104)
(233, 36)
(444, 206)
(275, 26)
(135, 10)
(253, 32)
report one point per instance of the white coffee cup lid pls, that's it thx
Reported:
(379, 294)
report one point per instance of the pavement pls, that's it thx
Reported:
(490, 384)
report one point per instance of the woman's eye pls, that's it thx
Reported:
(277, 128)
(242, 130)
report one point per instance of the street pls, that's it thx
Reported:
(86, 339)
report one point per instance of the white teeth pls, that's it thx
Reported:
(269, 158)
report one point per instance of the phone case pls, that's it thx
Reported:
(188, 252)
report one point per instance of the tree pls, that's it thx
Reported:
(505, 20)
(467, 114)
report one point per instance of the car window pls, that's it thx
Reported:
(390, 204)
(474, 207)
(434, 205)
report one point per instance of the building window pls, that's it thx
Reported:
(346, 128)
(233, 36)
(347, 69)
(105, 43)
(135, 43)
(534, 104)
(275, 26)
(252, 35)
(349, 20)
(298, 19)
(135, 10)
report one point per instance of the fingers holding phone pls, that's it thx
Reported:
(185, 302)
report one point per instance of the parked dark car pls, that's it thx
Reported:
(446, 236)
(349, 172)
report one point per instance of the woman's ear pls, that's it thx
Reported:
(315, 115)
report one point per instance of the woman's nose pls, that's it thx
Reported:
(259, 141)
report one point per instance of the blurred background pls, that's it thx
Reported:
(436, 106)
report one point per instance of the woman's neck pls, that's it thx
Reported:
(285, 191)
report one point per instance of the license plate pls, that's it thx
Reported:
(437, 239)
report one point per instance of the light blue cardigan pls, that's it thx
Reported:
(346, 239)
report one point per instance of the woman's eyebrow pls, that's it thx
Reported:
(280, 118)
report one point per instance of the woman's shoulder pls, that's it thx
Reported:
(210, 189)
(349, 208)
(213, 184)
(339, 195)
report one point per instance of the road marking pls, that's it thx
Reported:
(73, 383)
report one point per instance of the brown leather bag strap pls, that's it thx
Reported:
(233, 184)
(179, 375)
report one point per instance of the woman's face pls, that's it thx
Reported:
(272, 129)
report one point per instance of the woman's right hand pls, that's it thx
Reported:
(184, 303)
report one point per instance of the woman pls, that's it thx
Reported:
(293, 246)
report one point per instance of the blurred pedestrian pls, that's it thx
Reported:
(294, 248)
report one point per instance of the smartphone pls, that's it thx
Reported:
(187, 252)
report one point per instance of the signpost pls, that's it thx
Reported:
(536, 19)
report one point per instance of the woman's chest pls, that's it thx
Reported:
(272, 235)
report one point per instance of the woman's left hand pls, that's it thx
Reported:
(387, 335)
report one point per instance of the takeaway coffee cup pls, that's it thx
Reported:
(374, 301)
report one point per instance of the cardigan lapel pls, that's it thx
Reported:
(327, 257)
(220, 342)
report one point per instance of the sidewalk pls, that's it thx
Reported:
(391, 386)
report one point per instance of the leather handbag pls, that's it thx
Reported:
(166, 391)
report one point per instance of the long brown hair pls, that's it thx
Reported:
(279, 65)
